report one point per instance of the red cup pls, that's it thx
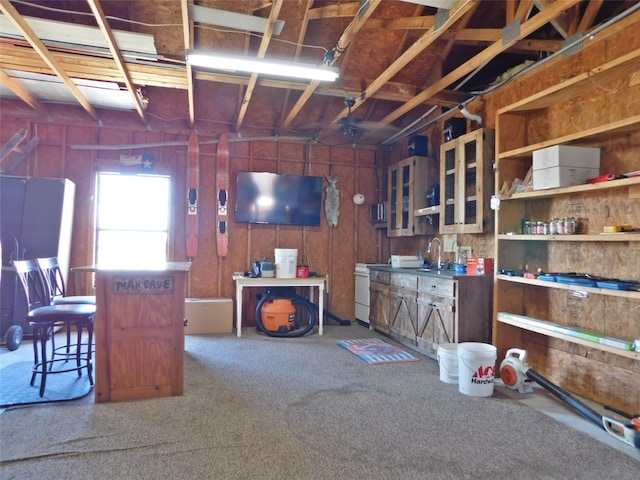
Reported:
(302, 272)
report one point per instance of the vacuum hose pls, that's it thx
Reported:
(565, 396)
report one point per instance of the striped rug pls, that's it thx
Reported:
(375, 351)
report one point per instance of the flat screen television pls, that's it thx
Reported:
(271, 198)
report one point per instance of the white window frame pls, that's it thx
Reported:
(133, 244)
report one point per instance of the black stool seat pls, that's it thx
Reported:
(74, 299)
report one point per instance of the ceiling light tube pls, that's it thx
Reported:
(222, 61)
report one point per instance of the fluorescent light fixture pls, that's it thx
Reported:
(223, 61)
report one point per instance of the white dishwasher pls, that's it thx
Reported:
(362, 298)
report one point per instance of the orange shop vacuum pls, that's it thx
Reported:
(278, 315)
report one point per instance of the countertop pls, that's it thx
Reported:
(164, 267)
(426, 272)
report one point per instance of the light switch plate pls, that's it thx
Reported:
(450, 243)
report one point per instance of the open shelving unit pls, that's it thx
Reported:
(525, 308)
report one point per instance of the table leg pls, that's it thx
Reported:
(238, 310)
(320, 307)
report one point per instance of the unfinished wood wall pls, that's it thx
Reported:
(328, 250)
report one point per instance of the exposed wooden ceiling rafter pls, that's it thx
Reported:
(455, 14)
(96, 8)
(345, 39)
(35, 42)
(262, 50)
(528, 27)
(23, 93)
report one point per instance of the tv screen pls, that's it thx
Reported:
(263, 197)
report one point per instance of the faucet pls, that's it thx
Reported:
(439, 250)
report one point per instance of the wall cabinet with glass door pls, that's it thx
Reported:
(466, 182)
(408, 186)
(579, 329)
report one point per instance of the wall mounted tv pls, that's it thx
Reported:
(272, 198)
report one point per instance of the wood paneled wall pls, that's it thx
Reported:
(326, 249)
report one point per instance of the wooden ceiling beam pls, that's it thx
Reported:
(27, 32)
(301, 35)
(262, 50)
(345, 39)
(23, 93)
(96, 8)
(100, 69)
(589, 16)
(455, 14)
(527, 28)
(188, 35)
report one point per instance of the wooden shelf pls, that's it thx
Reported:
(621, 66)
(584, 188)
(598, 237)
(542, 327)
(566, 286)
(421, 212)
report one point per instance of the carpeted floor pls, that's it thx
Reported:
(303, 408)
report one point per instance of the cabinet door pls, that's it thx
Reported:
(466, 182)
(379, 309)
(400, 189)
(409, 182)
(403, 317)
(436, 322)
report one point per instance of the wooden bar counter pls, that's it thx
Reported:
(139, 331)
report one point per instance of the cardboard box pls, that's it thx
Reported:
(556, 177)
(479, 266)
(208, 315)
(564, 166)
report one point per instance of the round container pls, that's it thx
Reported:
(448, 361)
(476, 368)
(286, 262)
(302, 271)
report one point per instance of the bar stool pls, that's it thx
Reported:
(45, 318)
(54, 281)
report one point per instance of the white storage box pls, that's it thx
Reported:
(564, 166)
(208, 315)
(562, 177)
(405, 261)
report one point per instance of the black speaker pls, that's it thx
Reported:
(454, 127)
(418, 146)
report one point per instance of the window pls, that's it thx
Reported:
(132, 219)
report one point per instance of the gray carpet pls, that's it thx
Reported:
(303, 408)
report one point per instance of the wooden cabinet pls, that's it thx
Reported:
(560, 324)
(466, 183)
(139, 332)
(425, 311)
(408, 184)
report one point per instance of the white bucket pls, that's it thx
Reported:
(286, 262)
(476, 368)
(448, 360)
